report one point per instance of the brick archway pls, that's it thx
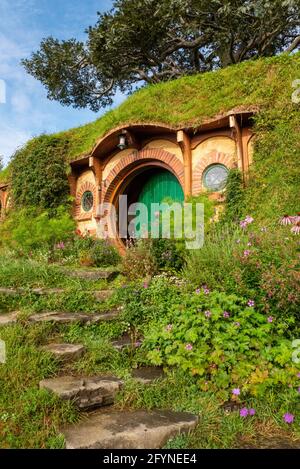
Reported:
(135, 159)
(214, 157)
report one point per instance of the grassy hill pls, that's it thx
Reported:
(266, 83)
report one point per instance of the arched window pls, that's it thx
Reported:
(87, 201)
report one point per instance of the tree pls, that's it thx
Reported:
(149, 41)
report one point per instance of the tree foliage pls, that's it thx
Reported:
(149, 41)
(38, 174)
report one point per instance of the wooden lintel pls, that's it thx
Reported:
(184, 142)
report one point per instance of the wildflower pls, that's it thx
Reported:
(169, 327)
(252, 412)
(270, 319)
(244, 412)
(237, 324)
(288, 418)
(243, 224)
(236, 391)
(298, 375)
(238, 241)
(145, 285)
(207, 314)
(285, 220)
(263, 229)
(298, 390)
(206, 290)
(296, 229)
(249, 220)
(249, 244)
(188, 347)
(198, 291)
(138, 343)
(226, 314)
(246, 253)
(251, 303)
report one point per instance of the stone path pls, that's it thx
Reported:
(100, 295)
(106, 427)
(138, 429)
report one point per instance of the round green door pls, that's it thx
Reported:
(160, 187)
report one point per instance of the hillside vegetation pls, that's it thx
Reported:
(266, 83)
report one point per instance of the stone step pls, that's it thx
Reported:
(68, 318)
(148, 374)
(122, 343)
(140, 429)
(86, 393)
(65, 352)
(100, 295)
(91, 274)
(7, 319)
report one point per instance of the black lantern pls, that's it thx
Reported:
(122, 141)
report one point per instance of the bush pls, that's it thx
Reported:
(138, 261)
(224, 341)
(104, 254)
(168, 254)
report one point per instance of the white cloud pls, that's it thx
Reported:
(11, 139)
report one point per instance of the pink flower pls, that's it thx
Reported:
(246, 253)
(243, 224)
(288, 418)
(206, 290)
(270, 319)
(252, 412)
(249, 244)
(244, 412)
(207, 314)
(138, 343)
(189, 347)
(226, 314)
(169, 327)
(145, 285)
(237, 324)
(236, 391)
(251, 303)
(298, 390)
(285, 220)
(296, 229)
(238, 241)
(249, 220)
(298, 375)
(198, 291)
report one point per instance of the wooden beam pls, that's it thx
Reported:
(184, 142)
(233, 123)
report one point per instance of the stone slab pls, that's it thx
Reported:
(140, 429)
(65, 352)
(7, 319)
(87, 393)
(148, 374)
(92, 274)
(68, 318)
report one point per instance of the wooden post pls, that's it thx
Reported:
(96, 166)
(233, 123)
(185, 145)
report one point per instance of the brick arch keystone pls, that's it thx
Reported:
(213, 157)
(157, 155)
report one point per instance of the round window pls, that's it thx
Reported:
(215, 177)
(87, 201)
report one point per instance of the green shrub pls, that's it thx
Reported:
(104, 254)
(138, 261)
(235, 196)
(168, 254)
(224, 341)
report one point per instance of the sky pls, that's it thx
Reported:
(26, 111)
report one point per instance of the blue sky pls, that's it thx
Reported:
(27, 112)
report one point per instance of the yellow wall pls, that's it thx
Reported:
(166, 145)
(115, 160)
(220, 144)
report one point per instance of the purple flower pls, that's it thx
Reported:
(251, 303)
(198, 291)
(188, 347)
(243, 224)
(226, 314)
(285, 220)
(288, 418)
(298, 390)
(246, 253)
(249, 220)
(169, 327)
(237, 324)
(270, 319)
(252, 412)
(138, 343)
(244, 412)
(207, 314)
(206, 290)
(298, 375)
(145, 285)
(236, 391)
